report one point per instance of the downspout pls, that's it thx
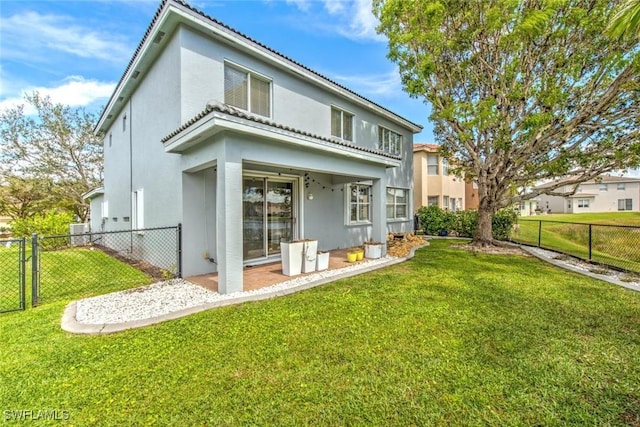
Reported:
(130, 176)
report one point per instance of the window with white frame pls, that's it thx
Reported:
(247, 90)
(604, 187)
(432, 164)
(445, 167)
(621, 186)
(389, 141)
(359, 203)
(397, 200)
(137, 208)
(341, 124)
(583, 203)
(433, 200)
(625, 204)
(445, 202)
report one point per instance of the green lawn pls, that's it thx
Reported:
(447, 338)
(9, 278)
(66, 274)
(611, 244)
(617, 218)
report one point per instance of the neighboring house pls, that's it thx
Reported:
(98, 209)
(433, 185)
(604, 194)
(527, 207)
(245, 147)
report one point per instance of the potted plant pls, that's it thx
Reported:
(373, 250)
(322, 262)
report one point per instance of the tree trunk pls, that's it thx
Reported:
(484, 232)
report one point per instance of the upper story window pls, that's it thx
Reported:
(247, 91)
(389, 141)
(432, 164)
(621, 186)
(604, 187)
(341, 124)
(445, 167)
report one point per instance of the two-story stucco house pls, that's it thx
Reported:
(605, 194)
(433, 184)
(245, 148)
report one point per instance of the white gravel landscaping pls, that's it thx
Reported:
(174, 295)
(584, 267)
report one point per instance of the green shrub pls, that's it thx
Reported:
(466, 223)
(503, 222)
(435, 221)
(48, 223)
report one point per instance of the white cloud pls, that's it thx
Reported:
(374, 85)
(353, 19)
(334, 6)
(30, 35)
(303, 5)
(362, 22)
(74, 91)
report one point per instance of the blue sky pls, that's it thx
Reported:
(76, 51)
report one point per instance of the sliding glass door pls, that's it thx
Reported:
(268, 215)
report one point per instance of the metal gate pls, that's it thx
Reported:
(12, 274)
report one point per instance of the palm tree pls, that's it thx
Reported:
(626, 20)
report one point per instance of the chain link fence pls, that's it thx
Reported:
(616, 246)
(82, 265)
(12, 275)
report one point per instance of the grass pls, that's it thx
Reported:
(448, 338)
(617, 218)
(611, 244)
(66, 274)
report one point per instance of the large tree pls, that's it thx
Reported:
(55, 148)
(626, 20)
(521, 91)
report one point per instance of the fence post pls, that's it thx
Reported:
(23, 276)
(539, 232)
(179, 250)
(590, 241)
(35, 282)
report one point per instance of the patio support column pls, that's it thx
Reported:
(229, 225)
(379, 210)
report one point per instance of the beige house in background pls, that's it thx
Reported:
(432, 183)
(606, 194)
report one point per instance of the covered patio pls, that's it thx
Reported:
(260, 276)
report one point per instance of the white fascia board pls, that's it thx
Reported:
(144, 57)
(215, 123)
(93, 193)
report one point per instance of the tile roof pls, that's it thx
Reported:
(425, 147)
(214, 106)
(246, 37)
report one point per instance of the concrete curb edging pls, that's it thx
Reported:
(70, 324)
